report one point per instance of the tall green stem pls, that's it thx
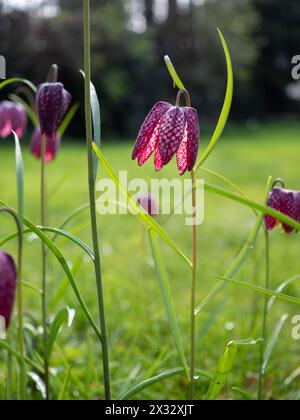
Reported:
(91, 181)
(193, 290)
(44, 262)
(264, 323)
(22, 366)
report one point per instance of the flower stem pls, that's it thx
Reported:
(264, 323)
(91, 181)
(22, 367)
(44, 262)
(193, 291)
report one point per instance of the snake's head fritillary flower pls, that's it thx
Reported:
(8, 282)
(285, 201)
(52, 146)
(12, 118)
(148, 202)
(169, 130)
(52, 103)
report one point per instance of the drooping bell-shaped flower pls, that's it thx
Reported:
(8, 282)
(12, 118)
(169, 130)
(148, 202)
(52, 103)
(52, 146)
(285, 201)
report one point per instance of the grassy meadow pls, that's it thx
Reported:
(140, 342)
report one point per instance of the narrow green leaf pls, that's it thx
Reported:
(176, 79)
(253, 205)
(57, 232)
(165, 290)
(272, 341)
(228, 182)
(20, 181)
(4, 345)
(141, 213)
(249, 286)
(282, 287)
(68, 118)
(63, 390)
(223, 369)
(244, 394)
(96, 116)
(162, 376)
(226, 106)
(18, 80)
(65, 315)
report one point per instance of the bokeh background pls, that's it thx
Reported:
(129, 40)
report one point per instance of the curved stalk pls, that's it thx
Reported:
(20, 303)
(91, 181)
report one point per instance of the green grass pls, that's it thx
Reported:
(141, 345)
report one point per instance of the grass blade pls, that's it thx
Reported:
(226, 106)
(57, 232)
(96, 117)
(141, 213)
(176, 79)
(63, 390)
(250, 286)
(165, 290)
(18, 80)
(162, 376)
(223, 369)
(65, 315)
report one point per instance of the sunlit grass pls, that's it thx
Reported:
(140, 342)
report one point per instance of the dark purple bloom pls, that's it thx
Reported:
(52, 146)
(8, 282)
(52, 103)
(12, 118)
(148, 203)
(169, 130)
(288, 203)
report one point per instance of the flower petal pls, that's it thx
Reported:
(192, 128)
(52, 146)
(171, 133)
(151, 146)
(181, 154)
(285, 202)
(8, 281)
(148, 127)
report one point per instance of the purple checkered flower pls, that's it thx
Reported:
(12, 118)
(8, 282)
(169, 130)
